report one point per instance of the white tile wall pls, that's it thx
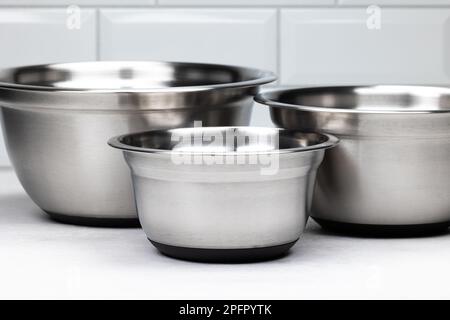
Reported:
(76, 2)
(335, 46)
(305, 41)
(240, 37)
(395, 2)
(33, 36)
(244, 2)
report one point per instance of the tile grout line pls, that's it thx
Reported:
(336, 5)
(97, 34)
(278, 47)
(157, 3)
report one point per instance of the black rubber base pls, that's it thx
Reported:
(224, 255)
(96, 222)
(384, 231)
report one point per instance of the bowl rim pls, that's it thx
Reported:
(116, 142)
(267, 98)
(262, 77)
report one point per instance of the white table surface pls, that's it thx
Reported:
(40, 258)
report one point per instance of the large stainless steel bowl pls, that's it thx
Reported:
(226, 193)
(57, 119)
(390, 175)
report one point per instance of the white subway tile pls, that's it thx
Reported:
(261, 116)
(335, 46)
(395, 2)
(240, 37)
(76, 2)
(34, 36)
(244, 2)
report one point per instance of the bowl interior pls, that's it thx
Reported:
(368, 98)
(117, 75)
(223, 139)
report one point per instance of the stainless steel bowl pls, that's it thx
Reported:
(57, 119)
(225, 193)
(390, 175)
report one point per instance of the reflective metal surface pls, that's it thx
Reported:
(228, 205)
(392, 166)
(58, 118)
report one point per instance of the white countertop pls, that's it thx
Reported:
(40, 258)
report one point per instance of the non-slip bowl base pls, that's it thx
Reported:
(96, 222)
(384, 231)
(224, 255)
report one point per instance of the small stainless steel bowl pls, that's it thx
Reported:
(57, 119)
(223, 193)
(390, 175)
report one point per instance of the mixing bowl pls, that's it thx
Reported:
(223, 193)
(390, 175)
(58, 118)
